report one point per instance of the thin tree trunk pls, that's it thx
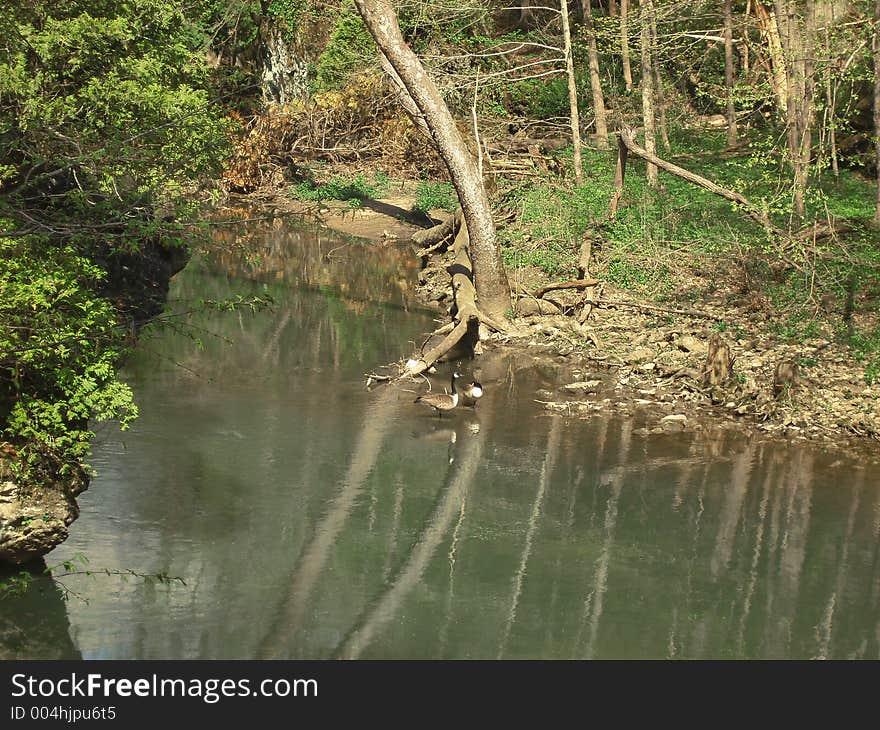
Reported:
(831, 99)
(489, 275)
(648, 91)
(769, 24)
(876, 51)
(572, 94)
(595, 79)
(799, 44)
(659, 92)
(624, 44)
(612, 8)
(744, 48)
(728, 73)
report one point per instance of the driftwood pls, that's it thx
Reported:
(627, 139)
(528, 144)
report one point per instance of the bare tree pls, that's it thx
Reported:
(728, 73)
(595, 78)
(659, 93)
(572, 94)
(798, 44)
(624, 44)
(490, 278)
(648, 90)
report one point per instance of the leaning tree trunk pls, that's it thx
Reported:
(728, 73)
(489, 276)
(572, 94)
(624, 44)
(648, 91)
(595, 78)
(876, 51)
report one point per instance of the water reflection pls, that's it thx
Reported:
(35, 623)
(312, 518)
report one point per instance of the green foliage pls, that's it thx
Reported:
(353, 190)
(104, 106)
(539, 98)
(431, 195)
(106, 130)
(867, 350)
(292, 12)
(59, 347)
(350, 48)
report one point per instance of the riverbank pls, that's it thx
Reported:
(636, 352)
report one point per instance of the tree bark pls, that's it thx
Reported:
(624, 44)
(648, 91)
(595, 79)
(876, 51)
(728, 73)
(572, 94)
(489, 275)
(799, 43)
(769, 24)
(659, 93)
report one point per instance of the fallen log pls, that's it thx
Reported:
(610, 303)
(573, 284)
(627, 139)
(430, 236)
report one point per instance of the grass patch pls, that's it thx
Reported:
(354, 190)
(432, 195)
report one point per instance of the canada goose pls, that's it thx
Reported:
(471, 393)
(441, 401)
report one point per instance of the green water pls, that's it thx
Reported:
(312, 518)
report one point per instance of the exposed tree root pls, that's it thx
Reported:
(466, 316)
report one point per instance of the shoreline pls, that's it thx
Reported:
(638, 356)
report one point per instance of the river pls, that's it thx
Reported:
(311, 517)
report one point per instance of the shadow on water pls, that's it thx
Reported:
(310, 517)
(34, 623)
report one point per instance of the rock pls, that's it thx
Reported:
(640, 354)
(583, 386)
(674, 422)
(688, 343)
(531, 307)
(34, 522)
